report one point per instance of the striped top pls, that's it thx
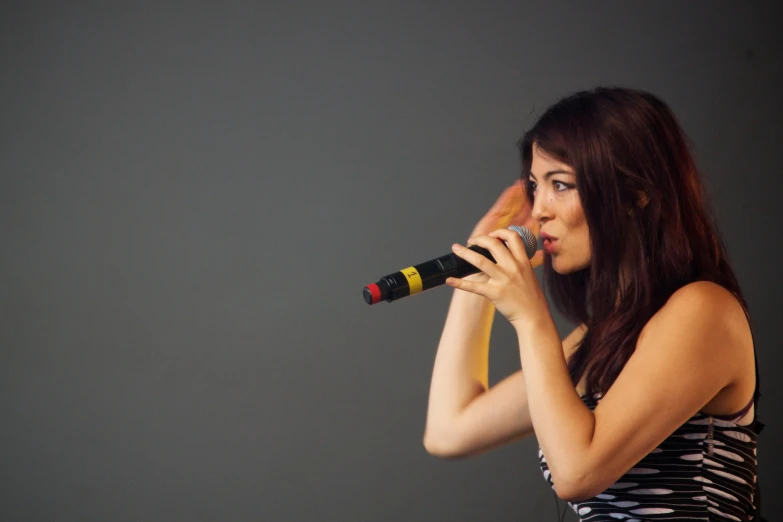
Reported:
(705, 470)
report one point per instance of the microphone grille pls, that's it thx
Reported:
(531, 243)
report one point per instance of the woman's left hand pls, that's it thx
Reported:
(512, 286)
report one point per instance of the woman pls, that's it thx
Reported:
(647, 409)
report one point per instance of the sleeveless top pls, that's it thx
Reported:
(705, 470)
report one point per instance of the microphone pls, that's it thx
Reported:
(430, 274)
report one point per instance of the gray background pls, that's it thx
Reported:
(193, 198)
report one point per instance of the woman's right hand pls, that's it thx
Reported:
(511, 208)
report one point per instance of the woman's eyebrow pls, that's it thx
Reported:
(547, 174)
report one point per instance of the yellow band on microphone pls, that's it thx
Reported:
(414, 279)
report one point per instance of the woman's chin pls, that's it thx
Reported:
(564, 267)
(558, 266)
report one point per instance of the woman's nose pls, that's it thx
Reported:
(541, 208)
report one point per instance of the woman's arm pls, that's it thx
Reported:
(686, 354)
(464, 417)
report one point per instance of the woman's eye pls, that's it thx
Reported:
(559, 186)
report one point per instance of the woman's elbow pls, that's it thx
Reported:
(576, 489)
(443, 446)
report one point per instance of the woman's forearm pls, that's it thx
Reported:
(461, 367)
(563, 424)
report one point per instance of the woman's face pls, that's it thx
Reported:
(559, 212)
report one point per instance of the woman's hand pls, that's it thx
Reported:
(510, 283)
(511, 208)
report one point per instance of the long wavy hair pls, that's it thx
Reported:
(646, 209)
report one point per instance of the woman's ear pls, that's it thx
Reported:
(641, 199)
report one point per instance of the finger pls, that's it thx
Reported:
(514, 188)
(516, 245)
(511, 195)
(464, 284)
(538, 259)
(502, 255)
(479, 261)
(513, 241)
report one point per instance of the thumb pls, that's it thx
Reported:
(538, 259)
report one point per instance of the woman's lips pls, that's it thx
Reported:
(549, 245)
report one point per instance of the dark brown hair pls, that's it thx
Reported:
(645, 205)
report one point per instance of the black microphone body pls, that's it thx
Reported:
(430, 274)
